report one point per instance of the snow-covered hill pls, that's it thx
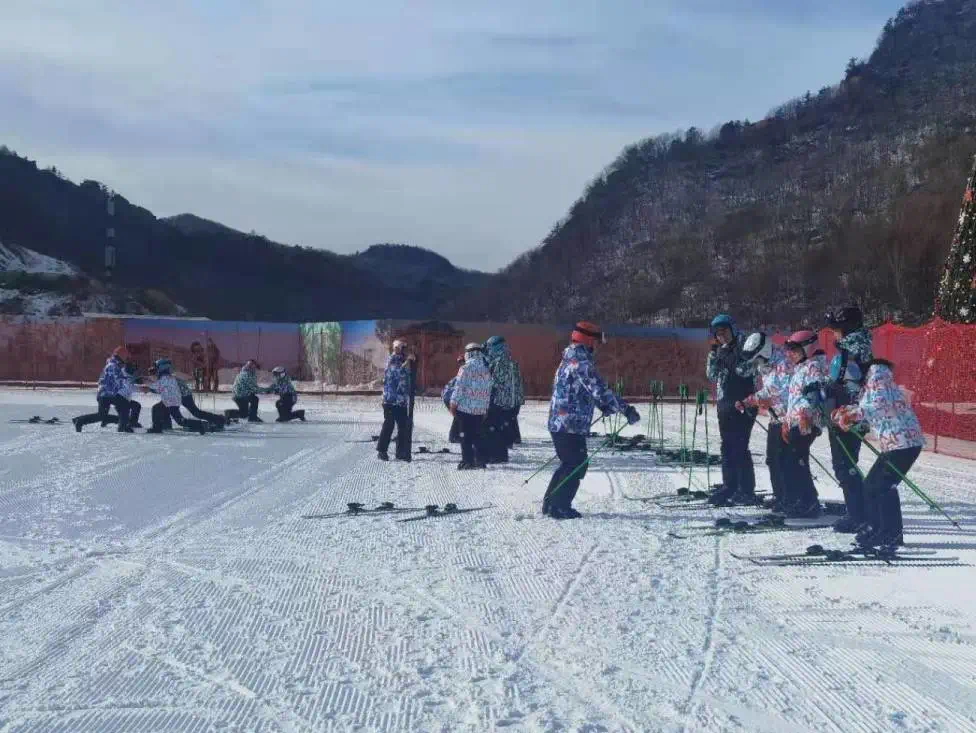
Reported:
(14, 258)
(34, 284)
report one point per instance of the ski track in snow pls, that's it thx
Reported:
(169, 583)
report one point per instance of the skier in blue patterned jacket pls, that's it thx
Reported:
(469, 403)
(882, 407)
(114, 390)
(847, 371)
(734, 380)
(282, 386)
(506, 398)
(576, 390)
(397, 388)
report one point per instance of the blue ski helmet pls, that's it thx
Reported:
(163, 366)
(720, 320)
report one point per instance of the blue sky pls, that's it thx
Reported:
(468, 128)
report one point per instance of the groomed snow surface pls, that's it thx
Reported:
(170, 583)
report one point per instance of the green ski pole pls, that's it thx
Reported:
(543, 466)
(584, 463)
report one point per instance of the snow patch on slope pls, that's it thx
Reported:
(14, 258)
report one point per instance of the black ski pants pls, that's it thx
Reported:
(495, 436)
(395, 416)
(847, 475)
(735, 430)
(284, 406)
(163, 418)
(122, 406)
(454, 435)
(516, 433)
(775, 452)
(472, 447)
(192, 408)
(882, 504)
(571, 451)
(798, 481)
(247, 407)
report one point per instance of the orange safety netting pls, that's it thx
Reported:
(936, 366)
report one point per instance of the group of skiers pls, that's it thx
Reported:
(118, 381)
(804, 395)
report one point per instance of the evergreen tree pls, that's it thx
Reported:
(957, 289)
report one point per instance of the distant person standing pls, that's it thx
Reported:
(198, 358)
(396, 404)
(213, 366)
(506, 398)
(469, 404)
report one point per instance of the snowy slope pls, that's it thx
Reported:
(170, 583)
(20, 259)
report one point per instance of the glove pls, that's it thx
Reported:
(784, 431)
(843, 418)
(633, 417)
(740, 406)
(806, 425)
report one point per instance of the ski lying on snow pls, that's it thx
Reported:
(817, 555)
(909, 553)
(37, 420)
(449, 510)
(356, 509)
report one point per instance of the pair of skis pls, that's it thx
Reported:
(817, 555)
(772, 523)
(38, 420)
(356, 509)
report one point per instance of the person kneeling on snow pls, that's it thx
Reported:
(576, 390)
(287, 396)
(114, 390)
(245, 394)
(469, 404)
(186, 399)
(167, 410)
(886, 411)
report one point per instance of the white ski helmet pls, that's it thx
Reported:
(757, 346)
(399, 345)
(278, 370)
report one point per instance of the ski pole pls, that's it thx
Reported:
(911, 484)
(584, 463)
(694, 433)
(703, 397)
(543, 466)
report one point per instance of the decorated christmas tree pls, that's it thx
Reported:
(957, 289)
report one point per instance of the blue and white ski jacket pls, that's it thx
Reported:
(805, 409)
(396, 381)
(245, 384)
(577, 390)
(168, 389)
(114, 381)
(776, 376)
(733, 377)
(472, 390)
(883, 406)
(281, 386)
(849, 367)
(506, 380)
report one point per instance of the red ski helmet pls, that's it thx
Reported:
(806, 341)
(588, 334)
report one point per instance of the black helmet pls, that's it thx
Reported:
(846, 319)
